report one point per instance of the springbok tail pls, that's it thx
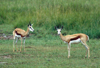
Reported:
(87, 38)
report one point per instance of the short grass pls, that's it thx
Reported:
(49, 53)
(44, 49)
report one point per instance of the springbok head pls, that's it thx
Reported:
(59, 30)
(30, 27)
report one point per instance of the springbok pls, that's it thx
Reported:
(20, 33)
(75, 38)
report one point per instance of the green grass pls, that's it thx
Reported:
(78, 16)
(48, 53)
(44, 49)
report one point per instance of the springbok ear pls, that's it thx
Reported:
(62, 27)
(55, 27)
(30, 23)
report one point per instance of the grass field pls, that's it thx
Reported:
(49, 53)
(44, 49)
(77, 16)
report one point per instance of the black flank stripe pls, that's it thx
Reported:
(74, 38)
(19, 34)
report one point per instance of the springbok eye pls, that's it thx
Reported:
(30, 27)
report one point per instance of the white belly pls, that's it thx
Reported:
(75, 41)
(17, 36)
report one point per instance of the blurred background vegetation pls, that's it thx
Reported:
(76, 16)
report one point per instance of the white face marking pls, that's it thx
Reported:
(31, 28)
(75, 41)
(59, 31)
